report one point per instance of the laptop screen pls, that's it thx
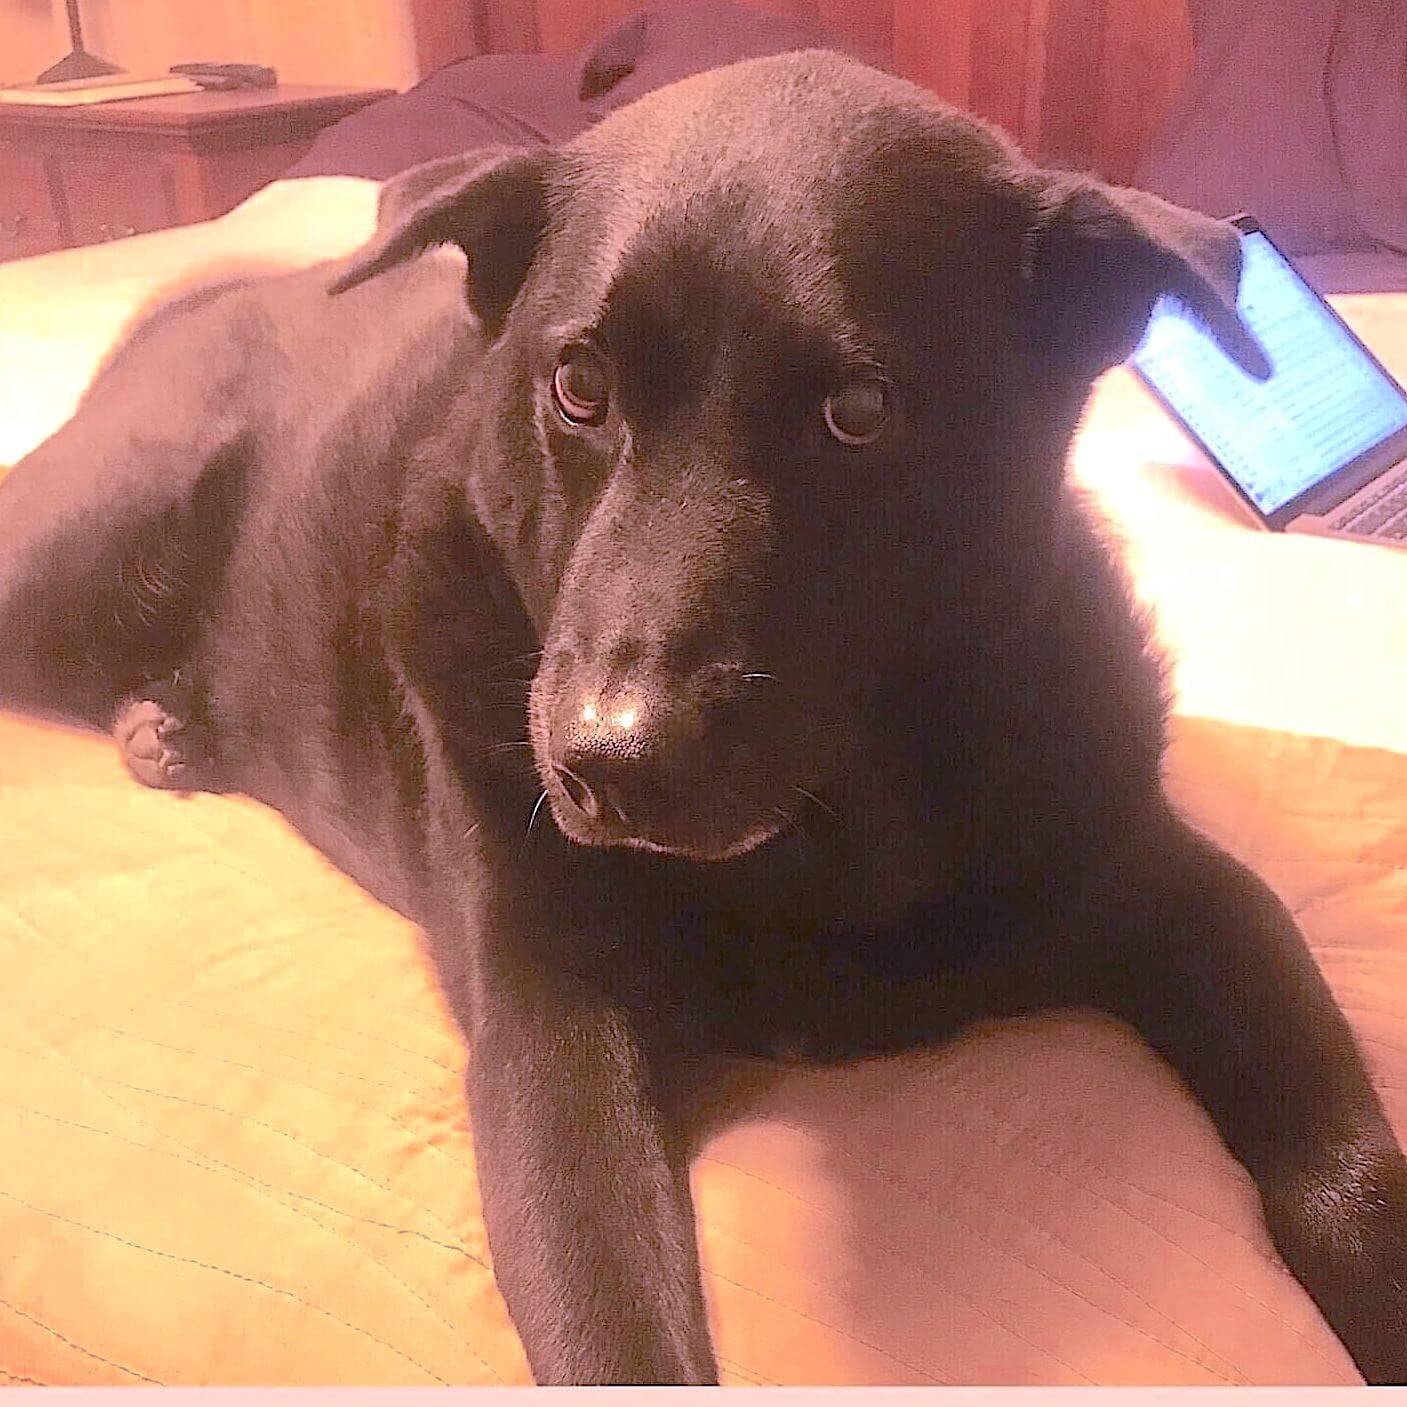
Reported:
(1324, 405)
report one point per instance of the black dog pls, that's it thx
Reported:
(730, 530)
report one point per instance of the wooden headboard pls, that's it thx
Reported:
(1081, 83)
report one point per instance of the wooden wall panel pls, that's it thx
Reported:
(1080, 83)
(934, 45)
(1002, 35)
(862, 23)
(1066, 113)
(1147, 51)
(564, 26)
(31, 38)
(443, 33)
(501, 26)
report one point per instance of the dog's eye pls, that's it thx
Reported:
(581, 385)
(857, 412)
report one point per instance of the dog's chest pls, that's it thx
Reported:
(803, 993)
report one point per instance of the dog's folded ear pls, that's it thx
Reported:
(492, 204)
(1101, 256)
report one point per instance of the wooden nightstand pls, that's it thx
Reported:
(79, 175)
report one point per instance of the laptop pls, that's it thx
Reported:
(1321, 446)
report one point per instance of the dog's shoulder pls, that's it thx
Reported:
(251, 311)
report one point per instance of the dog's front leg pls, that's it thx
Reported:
(1208, 964)
(585, 1191)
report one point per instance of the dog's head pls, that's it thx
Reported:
(782, 363)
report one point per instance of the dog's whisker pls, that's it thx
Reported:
(824, 730)
(532, 820)
(500, 749)
(514, 662)
(816, 801)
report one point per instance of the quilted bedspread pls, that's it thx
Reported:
(232, 1142)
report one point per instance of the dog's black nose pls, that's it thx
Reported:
(602, 793)
(608, 765)
(670, 763)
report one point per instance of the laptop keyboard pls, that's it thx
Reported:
(1381, 514)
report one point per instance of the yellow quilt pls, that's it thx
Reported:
(233, 1149)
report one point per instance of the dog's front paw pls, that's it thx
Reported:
(160, 743)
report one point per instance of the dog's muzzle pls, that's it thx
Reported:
(677, 774)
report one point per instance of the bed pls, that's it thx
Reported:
(232, 1142)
